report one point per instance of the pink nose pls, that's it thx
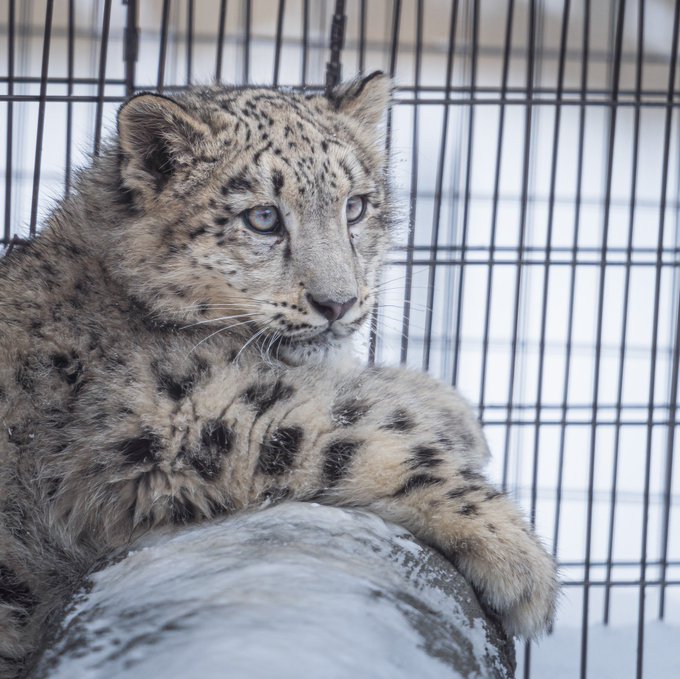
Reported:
(331, 309)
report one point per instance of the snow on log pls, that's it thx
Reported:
(291, 591)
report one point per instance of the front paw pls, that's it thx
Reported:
(517, 578)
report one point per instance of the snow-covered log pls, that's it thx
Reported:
(291, 591)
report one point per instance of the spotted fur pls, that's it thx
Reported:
(161, 362)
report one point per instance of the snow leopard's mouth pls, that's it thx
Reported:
(324, 336)
(310, 344)
(320, 340)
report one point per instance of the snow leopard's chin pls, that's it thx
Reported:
(321, 350)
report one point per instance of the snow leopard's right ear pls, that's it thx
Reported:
(156, 135)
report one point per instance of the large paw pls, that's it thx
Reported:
(517, 578)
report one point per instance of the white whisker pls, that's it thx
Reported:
(252, 339)
(217, 332)
(217, 320)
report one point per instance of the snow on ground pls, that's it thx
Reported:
(612, 653)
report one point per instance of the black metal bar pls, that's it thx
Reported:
(316, 88)
(130, 46)
(494, 209)
(408, 282)
(668, 471)
(220, 39)
(526, 165)
(624, 322)
(190, 41)
(621, 563)
(616, 70)
(279, 39)
(41, 117)
(546, 286)
(246, 41)
(163, 45)
(495, 95)
(337, 42)
(59, 80)
(70, 63)
(362, 35)
(522, 261)
(673, 60)
(674, 359)
(101, 82)
(526, 162)
(394, 51)
(466, 203)
(439, 184)
(549, 246)
(619, 583)
(532, 101)
(11, 26)
(305, 41)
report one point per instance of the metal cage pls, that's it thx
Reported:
(536, 154)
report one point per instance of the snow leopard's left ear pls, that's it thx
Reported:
(365, 99)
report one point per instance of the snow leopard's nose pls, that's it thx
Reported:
(331, 309)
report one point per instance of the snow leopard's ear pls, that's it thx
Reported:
(156, 134)
(365, 99)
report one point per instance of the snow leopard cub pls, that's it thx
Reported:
(167, 354)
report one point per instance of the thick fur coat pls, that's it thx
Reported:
(169, 351)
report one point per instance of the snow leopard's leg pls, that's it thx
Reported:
(410, 449)
(16, 633)
(395, 441)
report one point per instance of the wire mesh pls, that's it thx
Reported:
(536, 153)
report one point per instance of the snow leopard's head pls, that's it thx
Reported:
(257, 210)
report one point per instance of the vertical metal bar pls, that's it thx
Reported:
(279, 40)
(673, 58)
(668, 473)
(494, 209)
(394, 47)
(190, 40)
(220, 39)
(163, 47)
(585, 51)
(394, 51)
(526, 162)
(362, 35)
(101, 81)
(598, 337)
(41, 116)
(626, 300)
(69, 92)
(305, 40)
(549, 245)
(439, 183)
(546, 285)
(336, 44)
(673, 384)
(531, 69)
(468, 179)
(246, 42)
(11, 27)
(413, 190)
(131, 40)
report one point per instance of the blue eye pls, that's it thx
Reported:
(355, 209)
(263, 218)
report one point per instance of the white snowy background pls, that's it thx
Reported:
(518, 430)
